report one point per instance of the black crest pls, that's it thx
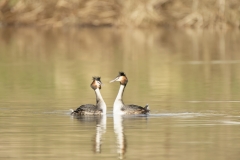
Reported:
(121, 74)
(97, 78)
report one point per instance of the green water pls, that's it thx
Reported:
(190, 79)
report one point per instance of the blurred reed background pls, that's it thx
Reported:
(220, 14)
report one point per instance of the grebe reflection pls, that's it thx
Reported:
(121, 139)
(101, 122)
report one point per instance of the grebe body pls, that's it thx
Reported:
(119, 107)
(90, 109)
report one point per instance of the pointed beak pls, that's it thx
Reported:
(114, 80)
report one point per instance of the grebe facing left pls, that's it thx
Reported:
(119, 107)
(90, 109)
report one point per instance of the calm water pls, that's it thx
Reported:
(190, 79)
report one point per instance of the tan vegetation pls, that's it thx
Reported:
(121, 13)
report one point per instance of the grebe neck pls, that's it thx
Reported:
(99, 101)
(118, 104)
(120, 92)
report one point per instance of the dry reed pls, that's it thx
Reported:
(129, 13)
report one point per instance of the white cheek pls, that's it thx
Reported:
(120, 78)
(99, 83)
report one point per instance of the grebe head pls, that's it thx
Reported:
(122, 78)
(96, 83)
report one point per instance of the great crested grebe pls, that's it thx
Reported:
(90, 109)
(119, 107)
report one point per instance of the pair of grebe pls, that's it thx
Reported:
(118, 108)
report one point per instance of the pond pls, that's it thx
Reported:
(189, 78)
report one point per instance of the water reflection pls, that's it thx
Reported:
(121, 138)
(174, 71)
(101, 122)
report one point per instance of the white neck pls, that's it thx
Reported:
(118, 101)
(100, 102)
(120, 92)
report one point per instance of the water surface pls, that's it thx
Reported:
(190, 79)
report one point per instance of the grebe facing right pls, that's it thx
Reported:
(90, 109)
(119, 107)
